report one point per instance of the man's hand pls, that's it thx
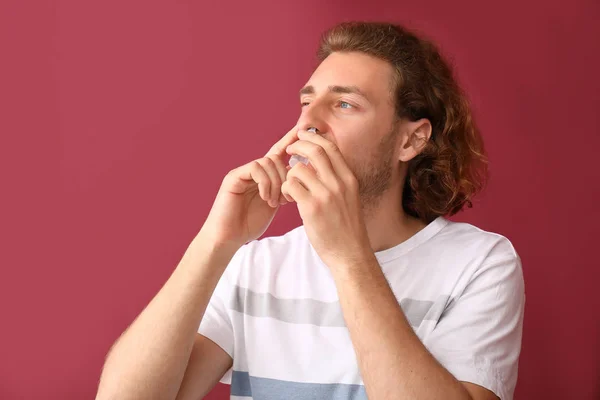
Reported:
(328, 201)
(249, 197)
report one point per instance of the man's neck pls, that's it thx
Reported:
(388, 225)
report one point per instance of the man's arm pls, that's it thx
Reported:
(393, 362)
(208, 363)
(150, 358)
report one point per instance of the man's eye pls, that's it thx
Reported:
(342, 104)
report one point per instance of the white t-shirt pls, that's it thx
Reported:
(276, 312)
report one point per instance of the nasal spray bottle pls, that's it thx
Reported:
(295, 159)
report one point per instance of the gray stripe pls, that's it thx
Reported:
(297, 311)
(242, 384)
(320, 313)
(418, 310)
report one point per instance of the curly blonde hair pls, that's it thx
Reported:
(452, 168)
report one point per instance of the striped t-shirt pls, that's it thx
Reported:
(276, 312)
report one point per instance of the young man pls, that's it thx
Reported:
(376, 295)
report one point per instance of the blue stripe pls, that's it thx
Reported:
(242, 384)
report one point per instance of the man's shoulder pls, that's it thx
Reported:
(471, 238)
(277, 250)
(274, 264)
(292, 239)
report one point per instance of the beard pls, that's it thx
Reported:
(374, 175)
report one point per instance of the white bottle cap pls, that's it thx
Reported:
(295, 159)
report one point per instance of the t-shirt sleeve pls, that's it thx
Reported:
(216, 323)
(478, 337)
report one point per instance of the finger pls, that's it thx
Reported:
(282, 170)
(318, 158)
(252, 172)
(278, 149)
(293, 189)
(275, 181)
(307, 178)
(287, 196)
(337, 160)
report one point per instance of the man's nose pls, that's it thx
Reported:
(314, 116)
(312, 127)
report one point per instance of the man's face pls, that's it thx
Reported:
(349, 99)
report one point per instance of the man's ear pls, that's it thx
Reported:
(413, 138)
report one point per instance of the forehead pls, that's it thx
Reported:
(371, 75)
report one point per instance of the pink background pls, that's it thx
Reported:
(118, 120)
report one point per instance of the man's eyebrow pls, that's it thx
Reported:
(335, 89)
